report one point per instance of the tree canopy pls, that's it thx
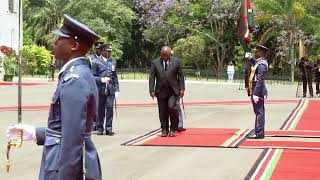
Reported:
(202, 33)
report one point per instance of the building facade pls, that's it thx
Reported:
(9, 23)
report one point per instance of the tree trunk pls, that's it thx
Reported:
(291, 55)
(219, 64)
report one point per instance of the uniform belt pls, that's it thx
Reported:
(50, 132)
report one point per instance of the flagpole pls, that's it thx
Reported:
(20, 60)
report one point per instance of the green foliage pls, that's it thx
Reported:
(9, 64)
(111, 19)
(202, 32)
(190, 50)
(36, 59)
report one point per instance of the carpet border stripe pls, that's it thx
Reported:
(139, 137)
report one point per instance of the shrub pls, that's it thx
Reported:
(36, 59)
(9, 64)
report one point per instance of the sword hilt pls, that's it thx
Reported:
(17, 143)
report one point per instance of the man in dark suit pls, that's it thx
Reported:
(257, 89)
(166, 82)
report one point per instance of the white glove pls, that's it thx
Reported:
(117, 94)
(255, 98)
(105, 79)
(29, 132)
(247, 55)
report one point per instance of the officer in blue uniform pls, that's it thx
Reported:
(68, 151)
(96, 70)
(258, 90)
(97, 54)
(108, 85)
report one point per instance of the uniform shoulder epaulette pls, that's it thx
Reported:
(69, 76)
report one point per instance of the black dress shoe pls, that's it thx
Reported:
(181, 129)
(109, 133)
(172, 134)
(100, 133)
(256, 136)
(164, 133)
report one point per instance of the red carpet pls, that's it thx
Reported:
(310, 119)
(25, 108)
(293, 133)
(44, 107)
(290, 163)
(23, 84)
(280, 144)
(297, 165)
(194, 137)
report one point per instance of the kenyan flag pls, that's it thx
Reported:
(245, 24)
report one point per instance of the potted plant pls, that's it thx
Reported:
(9, 64)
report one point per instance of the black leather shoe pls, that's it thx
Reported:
(256, 136)
(172, 134)
(164, 133)
(109, 133)
(100, 133)
(181, 129)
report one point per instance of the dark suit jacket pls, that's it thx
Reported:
(164, 83)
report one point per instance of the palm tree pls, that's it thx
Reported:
(287, 14)
(42, 19)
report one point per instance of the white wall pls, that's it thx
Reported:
(9, 25)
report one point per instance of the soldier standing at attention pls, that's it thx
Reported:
(68, 151)
(108, 85)
(95, 64)
(166, 83)
(257, 88)
(97, 54)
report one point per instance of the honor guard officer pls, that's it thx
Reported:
(257, 88)
(96, 68)
(68, 151)
(97, 54)
(108, 85)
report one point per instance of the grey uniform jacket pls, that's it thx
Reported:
(100, 69)
(164, 82)
(72, 111)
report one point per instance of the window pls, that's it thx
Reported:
(10, 6)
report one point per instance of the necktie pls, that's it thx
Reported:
(165, 66)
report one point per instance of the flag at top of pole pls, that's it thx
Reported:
(245, 24)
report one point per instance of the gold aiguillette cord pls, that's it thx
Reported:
(15, 143)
